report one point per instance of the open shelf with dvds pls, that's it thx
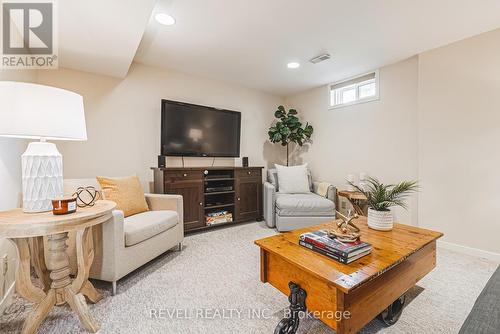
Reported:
(219, 197)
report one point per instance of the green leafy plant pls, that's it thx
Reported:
(381, 196)
(289, 129)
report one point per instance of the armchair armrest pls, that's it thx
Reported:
(269, 204)
(109, 239)
(331, 193)
(158, 202)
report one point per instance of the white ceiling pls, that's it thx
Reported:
(101, 36)
(250, 42)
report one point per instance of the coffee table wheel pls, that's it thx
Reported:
(297, 299)
(287, 326)
(392, 314)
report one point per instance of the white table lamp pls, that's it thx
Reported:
(45, 113)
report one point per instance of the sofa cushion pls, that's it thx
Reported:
(272, 177)
(145, 225)
(303, 205)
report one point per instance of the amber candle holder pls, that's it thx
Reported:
(64, 206)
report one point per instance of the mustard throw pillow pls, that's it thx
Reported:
(126, 192)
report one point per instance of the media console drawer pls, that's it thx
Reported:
(176, 176)
(249, 172)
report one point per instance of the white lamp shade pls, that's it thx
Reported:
(35, 111)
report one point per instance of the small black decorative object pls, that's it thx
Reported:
(86, 196)
(245, 162)
(162, 161)
(297, 300)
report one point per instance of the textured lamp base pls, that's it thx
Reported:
(42, 176)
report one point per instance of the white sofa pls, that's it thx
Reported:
(122, 245)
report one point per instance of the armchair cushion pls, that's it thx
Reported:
(145, 225)
(305, 205)
(293, 179)
(272, 177)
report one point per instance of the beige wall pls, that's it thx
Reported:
(378, 137)
(10, 181)
(459, 135)
(123, 119)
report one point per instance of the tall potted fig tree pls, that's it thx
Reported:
(381, 197)
(288, 129)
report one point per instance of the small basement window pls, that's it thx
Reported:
(355, 90)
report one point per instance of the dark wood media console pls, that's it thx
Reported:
(208, 189)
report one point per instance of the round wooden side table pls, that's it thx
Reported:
(27, 232)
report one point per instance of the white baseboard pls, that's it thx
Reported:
(469, 251)
(7, 297)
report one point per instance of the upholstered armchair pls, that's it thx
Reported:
(122, 245)
(288, 212)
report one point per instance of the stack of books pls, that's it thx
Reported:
(218, 217)
(344, 252)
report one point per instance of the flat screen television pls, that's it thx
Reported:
(199, 131)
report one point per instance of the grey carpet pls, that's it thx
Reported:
(485, 315)
(220, 270)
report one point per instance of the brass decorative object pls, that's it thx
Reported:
(346, 231)
(86, 196)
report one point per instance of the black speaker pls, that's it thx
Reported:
(162, 161)
(244, 162)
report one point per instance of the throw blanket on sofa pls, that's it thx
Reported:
(323, 189)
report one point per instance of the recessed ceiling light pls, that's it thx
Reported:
(165, 19)
(293, 65)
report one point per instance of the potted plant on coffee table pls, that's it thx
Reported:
(381, 197)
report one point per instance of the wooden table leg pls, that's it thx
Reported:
(38, 261)
(360, 209)
(58, 264)
(24, 286)
(79, 306)
(60, 290)
(85, 256)
(90, 292)
(36, 317)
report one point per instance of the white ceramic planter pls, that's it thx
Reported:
(380, 220)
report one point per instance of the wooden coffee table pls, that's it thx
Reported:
(347, 297)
